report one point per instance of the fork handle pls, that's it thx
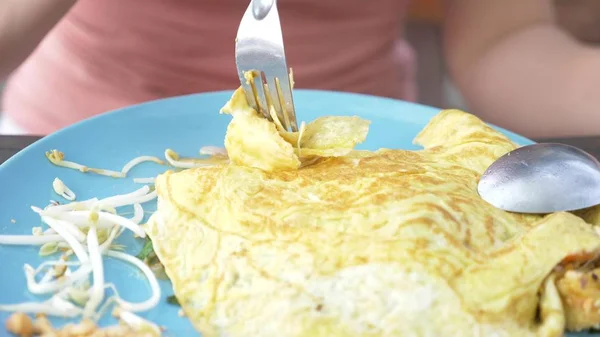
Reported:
(261, 8)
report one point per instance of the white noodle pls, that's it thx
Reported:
(138, 160)
(63, 190)
(29, 240)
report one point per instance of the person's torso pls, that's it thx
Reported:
(112, 53)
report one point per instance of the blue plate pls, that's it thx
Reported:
(182, 123)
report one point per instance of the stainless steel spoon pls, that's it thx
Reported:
(542, 178)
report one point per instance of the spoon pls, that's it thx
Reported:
(542, 178)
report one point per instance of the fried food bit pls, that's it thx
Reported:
(19, 324)
(42, 325)
(579, 286)
(85, 328)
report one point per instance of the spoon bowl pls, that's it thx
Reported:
(542, 178)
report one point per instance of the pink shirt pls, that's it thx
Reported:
(107, 54)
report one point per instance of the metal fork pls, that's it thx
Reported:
(261, 65)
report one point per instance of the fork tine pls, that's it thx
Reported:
(282, 98)
(286, 99)
(259, 48)
(254, 93)
(275, 99)
(266, 91)
(284, 110)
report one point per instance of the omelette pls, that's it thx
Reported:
(299, 234)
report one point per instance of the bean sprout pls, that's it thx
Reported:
(63, 190)
(138, 214)
(102, 220)
(114, 232)
(155, 288)
(28, 240)
(149, 180)
(46, 264)
(176, 161)
(58, 226)
(55, 306)
(66, 226)
(97, 290)
(73, 206)
(137, 323)
(57, 158)
(83, 219)
(124, 199)
(213, 151)
(138, 160)
(55, 285)
(123, 222)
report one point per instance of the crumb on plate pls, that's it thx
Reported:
(22, 325)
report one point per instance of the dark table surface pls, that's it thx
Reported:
(9, 145)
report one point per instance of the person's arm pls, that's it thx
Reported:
(516, 68)
(581, 18)
(23, 24)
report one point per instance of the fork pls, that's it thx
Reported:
(261, 64)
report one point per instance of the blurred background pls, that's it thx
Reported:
(579, 17)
